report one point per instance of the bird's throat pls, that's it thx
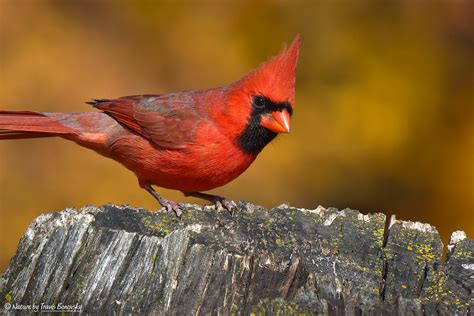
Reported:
(254, 137)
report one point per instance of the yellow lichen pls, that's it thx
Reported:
(8, 297)
(425, 252)
(378, 234)
(160, 226)
(280, 242)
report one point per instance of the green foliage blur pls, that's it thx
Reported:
(384, 100)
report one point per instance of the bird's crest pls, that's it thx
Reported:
(275, 78)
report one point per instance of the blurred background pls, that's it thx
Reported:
(384, 105)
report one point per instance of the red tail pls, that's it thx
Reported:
(27, 124)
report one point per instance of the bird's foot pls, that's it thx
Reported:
(173, 207)
(170, 206)
(218, 201)
(221, 202)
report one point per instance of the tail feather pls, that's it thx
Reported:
(19, 135)
(28, 124)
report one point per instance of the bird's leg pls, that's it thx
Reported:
(171, 206)
(217, 200)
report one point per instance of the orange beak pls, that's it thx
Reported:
(277, 121)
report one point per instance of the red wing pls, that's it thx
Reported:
(169, 121)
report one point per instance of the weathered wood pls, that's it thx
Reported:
(280, 261)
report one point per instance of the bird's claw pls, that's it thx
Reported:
(174, 207)
(228, 205)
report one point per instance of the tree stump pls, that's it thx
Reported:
(118, 259)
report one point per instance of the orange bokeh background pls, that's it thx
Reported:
(384, 101)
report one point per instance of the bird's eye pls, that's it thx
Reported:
(259, 101)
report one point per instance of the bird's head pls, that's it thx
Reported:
(261, 103)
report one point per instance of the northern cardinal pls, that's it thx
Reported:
(189, 141)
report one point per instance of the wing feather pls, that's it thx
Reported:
(169, 121)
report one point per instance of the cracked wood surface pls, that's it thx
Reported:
(117, 259)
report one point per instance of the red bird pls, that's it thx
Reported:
(189, 141)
